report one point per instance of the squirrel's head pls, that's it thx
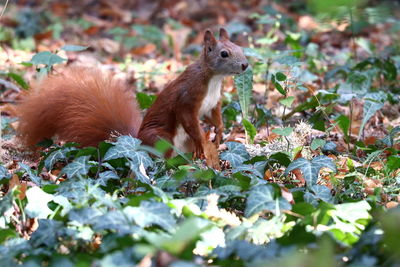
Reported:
(222, 56)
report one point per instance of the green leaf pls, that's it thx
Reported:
(310, 169)
(241, 250)
(47, 234)
(350, 220)
(37, 203)
(79, 167)
(107, 175)
(47, 58)
(283, 131)
(244, 87)
(251, 52)
(6, 234)
(389, 139)
(373, 103)
(281, 158)
(4, 173)
(280, 89)
(151, 213)
(280, 76)
(18, 79)
(185, 235)
(261, 199)
(344, 124)
(85, 215)
(128, 147)
(236, 154)
(145, 100)
(250, 130)
(57, 155)
(393, 162)
(114, 220)
(74, 48)
(330, 147)
(31, 173)
(317, 143)
(288, 101)
(322, 192)
(6, 202)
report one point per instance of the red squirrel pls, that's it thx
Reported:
(85, 106)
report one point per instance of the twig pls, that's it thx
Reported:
(4, 9)
(352, 33)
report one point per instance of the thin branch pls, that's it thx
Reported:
(4, 9)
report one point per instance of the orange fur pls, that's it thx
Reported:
(80, 105)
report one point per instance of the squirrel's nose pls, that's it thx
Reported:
(244, 66)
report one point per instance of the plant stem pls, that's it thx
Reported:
(352, 33)
(351, 124)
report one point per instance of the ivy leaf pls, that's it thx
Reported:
(236, 154)
(79, 167)
(373, 103)
(128, 147)
(261, 198)
(244, 87)
(246, 251)
(283, 131)
(34, 178)
(107, 175)
(114, 220)
(310, 169)
(37, 203)
(317, 143)
(389, 139)
(63, 202)
(124, 145)
(85, 215)
(57, 155)
(329, 147)
(250, 130)
(322, 192)
(287, 102)
(74, 48)
(47, 58)
(79, 190)
(185, 235)
(4, 173)
(151, 213)
(6, 202)
(47, 233)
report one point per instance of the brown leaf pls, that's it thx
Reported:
(14, 181)
(392, 204)
(43, 35)
(143, 50)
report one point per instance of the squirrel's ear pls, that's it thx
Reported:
(209, 40)
(223, 34)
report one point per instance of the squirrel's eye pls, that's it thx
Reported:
(224, 54)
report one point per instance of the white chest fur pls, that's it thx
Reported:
(209, 102)
(213, 95)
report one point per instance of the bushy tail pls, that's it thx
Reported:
(80, 105)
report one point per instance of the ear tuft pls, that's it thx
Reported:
(209, 40)
(223, 34)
